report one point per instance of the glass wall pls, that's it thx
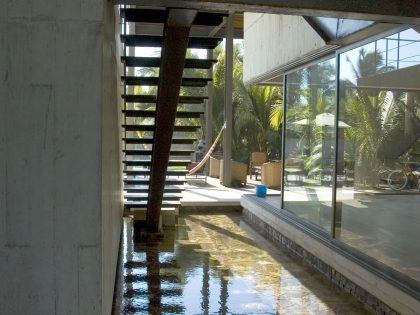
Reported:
(309, 143)
(370, 153)
(378, 153)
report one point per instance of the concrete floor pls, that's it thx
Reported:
(216, 264)
(200, 192)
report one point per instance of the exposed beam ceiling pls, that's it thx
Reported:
(391, 11)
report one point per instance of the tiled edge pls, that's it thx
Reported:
(370, 302)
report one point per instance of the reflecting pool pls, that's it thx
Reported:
(217, 264)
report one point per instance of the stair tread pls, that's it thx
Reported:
(155, 62)
(145, 189)
(154, 81)
(164, 207)
(146, 171)
(126, 195)
(153, 98)
(159, 16)
(144, 202)
(157, 41)
(145, 196)
(148, 162)
(135, 181)
(149, 152)
(150, 140)
(152, 113)
(129, 127)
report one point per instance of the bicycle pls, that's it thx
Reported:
(409, 175)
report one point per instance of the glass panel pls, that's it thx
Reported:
(398, 51)
(338, 28)
(309, 143)
(378, 166)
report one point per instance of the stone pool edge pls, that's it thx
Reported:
(366, 287)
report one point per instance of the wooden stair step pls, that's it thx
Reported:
(145, 196)
(145, 189)
(148, 162)
(157, 41)
(152, 128)
(146, 181)
(154, 81)
(146, 172)
(152, 113)
(149, 152)
(159, 16)
(152, 99)
(150, 140)
(154, 62)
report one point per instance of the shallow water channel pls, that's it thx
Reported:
(217, 264)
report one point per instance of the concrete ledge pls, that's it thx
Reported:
(209, 209)
(373, 291)
(209, 204)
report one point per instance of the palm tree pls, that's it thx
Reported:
(256, 115)
(257, 111)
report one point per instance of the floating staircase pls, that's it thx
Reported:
(141, 125)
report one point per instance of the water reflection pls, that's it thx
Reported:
(216, 264)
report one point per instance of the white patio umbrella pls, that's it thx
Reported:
(327, 119)
(324, 119)
(303, 122)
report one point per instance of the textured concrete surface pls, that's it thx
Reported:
(270, 42)
(56, 188)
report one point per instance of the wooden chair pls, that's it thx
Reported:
(294, 170)
(256, 161)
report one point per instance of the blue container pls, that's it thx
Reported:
(261, 191)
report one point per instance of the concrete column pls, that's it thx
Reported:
(227, 137)
(60, 176)
(209, 108)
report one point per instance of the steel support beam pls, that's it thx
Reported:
(209, 108)
(176, 34)
(227, 137)
(391, 11)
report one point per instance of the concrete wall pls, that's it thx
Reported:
(273, 41)
(112, 199)
(60, 208)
